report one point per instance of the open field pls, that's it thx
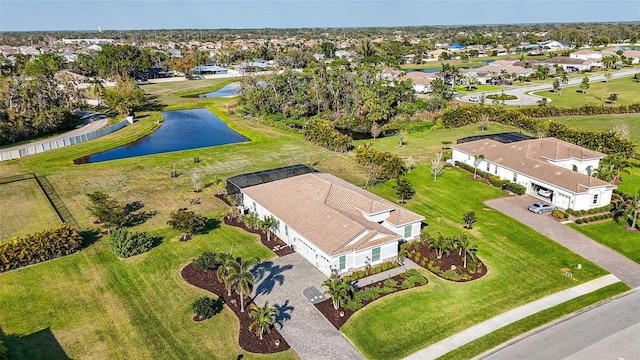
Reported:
(605, 123)
(99, 307)
(628, 93)
(613, 235)
(523, 265)
(25, 210)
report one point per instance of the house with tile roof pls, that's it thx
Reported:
(550, 169)
(330, 222)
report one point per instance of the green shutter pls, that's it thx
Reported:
(375, 254)
(343, 262)
(286, 230)
(407, 231)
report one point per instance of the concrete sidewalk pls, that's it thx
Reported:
(477, 331)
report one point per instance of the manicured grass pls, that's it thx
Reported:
(25, 210)
(628, 93)
(631, 182)
(511, 331)
(604, 123)
(100, 307)
(613, 235)
(523, 266)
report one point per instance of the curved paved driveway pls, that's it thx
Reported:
(525, 98)
(516, 207)
(282, 281)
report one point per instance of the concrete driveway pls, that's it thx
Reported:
(516, 207)
(282, 281)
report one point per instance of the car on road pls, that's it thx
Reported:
(473, 99)
(540, 207)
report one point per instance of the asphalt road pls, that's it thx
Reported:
(608, 331)
(524, 98)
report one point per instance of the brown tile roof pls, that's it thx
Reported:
(564, 60)
(528, 157)
(328, 211)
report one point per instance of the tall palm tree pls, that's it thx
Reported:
(269, 225)
(223, 271)
(366, 48)
(242, 278)
(338, 290)
(466, 249)
(264, 316)
(476, 161)
(633, 209)
(441, 245)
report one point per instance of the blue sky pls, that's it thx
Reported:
(28, 15)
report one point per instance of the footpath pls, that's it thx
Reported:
(477, 331)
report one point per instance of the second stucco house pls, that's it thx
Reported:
(550, 169)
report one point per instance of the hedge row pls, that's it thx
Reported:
(602, 209)
(39, 247)
(589, 219)
(4, 352)
(359, 274)
(607, 142)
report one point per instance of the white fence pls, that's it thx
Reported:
(56, 144)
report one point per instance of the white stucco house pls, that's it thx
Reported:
(550, 169)
(330, 222)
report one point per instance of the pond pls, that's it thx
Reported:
(230, 90)
(181, 130)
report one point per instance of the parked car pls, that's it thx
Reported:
(473, 99)
(545, 192)
(540, 207)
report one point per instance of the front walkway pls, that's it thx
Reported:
(282, 281)
(477, 331)
(516, 207)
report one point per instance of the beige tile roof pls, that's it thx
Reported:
(528, 157)
(328, 211)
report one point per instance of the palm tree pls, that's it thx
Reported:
(97, 88)
(264, 316)
(338, 289)
(633, 209)
(366, 48)
(223, 271)
(477, 160)
(251, 221)
(466, 249)
(269, 224)
(242, 278)
(440, 245)
(218, 181)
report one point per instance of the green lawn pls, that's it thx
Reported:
(604, 123)
(25, 210)
(613, 235)
(523, 266)
(628, 93)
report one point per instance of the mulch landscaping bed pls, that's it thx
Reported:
(333, 315)
(248, 340)
(446, 263)
(281, 249)
(275, 244)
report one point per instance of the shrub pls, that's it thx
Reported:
(515, 188)
(450, 274)
(4, 352)
(125, 244)
(206, 307)
(187, 221)
(207, 261)
(390, 283)
(496, 181)
(323, 133)
(559, 214)
(39, 247)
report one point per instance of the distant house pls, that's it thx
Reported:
(209, 70)
(331, 223)
(555, 45)
(421, 81)
(550, 169)
(586, 54)
(634, 55)
(570, 64)
(435, 54)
